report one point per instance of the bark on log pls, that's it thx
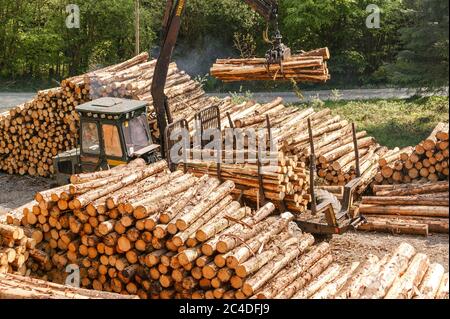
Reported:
(327, 276)
(273, 267)
(430, 284)
(404, 287)
(18, 287)
(395, 267)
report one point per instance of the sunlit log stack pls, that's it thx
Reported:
(428, 160)
(33, 133)
(17, 246)
(19, 287)
(306, 67)
(142, 230)
(415, 208)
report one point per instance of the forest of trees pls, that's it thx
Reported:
(411, 47)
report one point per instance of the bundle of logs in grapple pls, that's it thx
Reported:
(33, 133)
(305, 67)
(332, 136)
(17, 246)
(428, 160)
(415, 208)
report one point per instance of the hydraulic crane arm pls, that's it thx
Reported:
(267, 8)
(171, 27)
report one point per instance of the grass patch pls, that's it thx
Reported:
(392, 122)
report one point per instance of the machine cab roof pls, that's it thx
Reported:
(109, 106)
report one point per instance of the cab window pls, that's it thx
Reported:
(136, 134)
(112, 140)
(91, 142)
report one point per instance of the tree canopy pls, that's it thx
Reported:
(410, 47)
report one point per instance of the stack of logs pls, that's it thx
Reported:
(142, 230)
(306, 67)
(284, 180)
(33, 133)
(416, 208)
(333, 139)
(428, 160)
(17, 246)
(404, 274)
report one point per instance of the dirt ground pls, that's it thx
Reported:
(354, 246)
(18, 190)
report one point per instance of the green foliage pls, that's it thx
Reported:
(35, 44)
(424, 59)
(357, 51)
(241, 96)
(392, 122)
(245, 44)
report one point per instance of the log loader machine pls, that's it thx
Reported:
(115, 131)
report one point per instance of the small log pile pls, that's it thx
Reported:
(33, 133)
(416, 208)
(306, 67)
(286, 181)
(17, 246)
(19, 287)
(428, 161)
(404, 274)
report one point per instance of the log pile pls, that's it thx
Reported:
(426, 161)
(33, 133)
(332, 135)
(306, 67)
(142, 230)
(17, 246)
(19, 287)
(416, 208)
(404, 274)
(286, 180)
